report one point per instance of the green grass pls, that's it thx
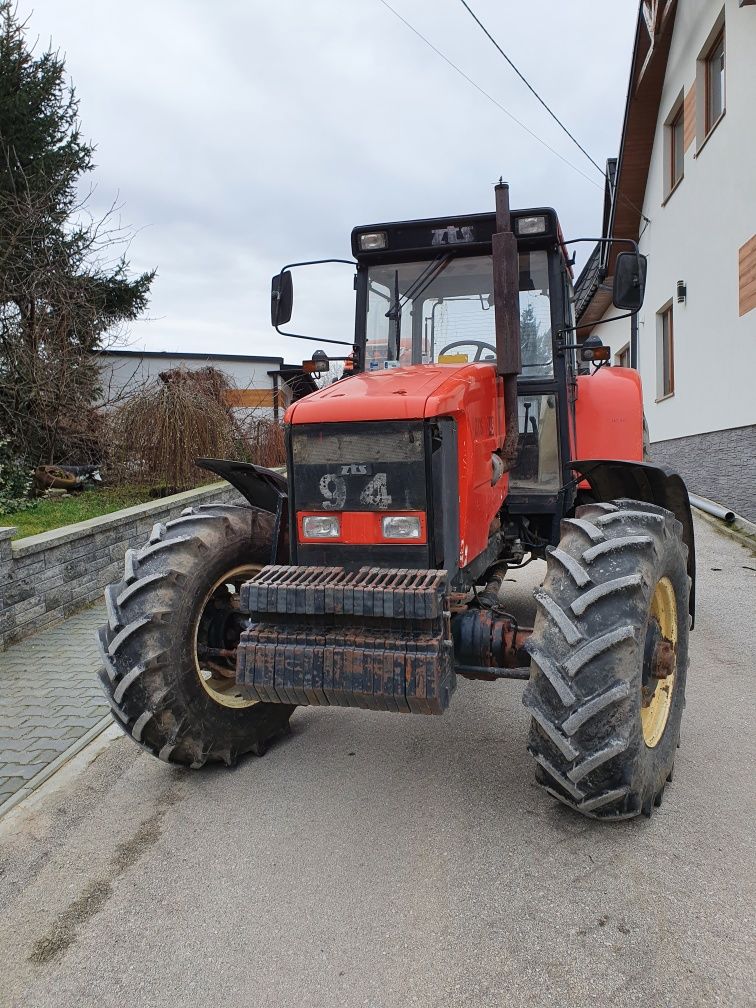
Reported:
(50, 514)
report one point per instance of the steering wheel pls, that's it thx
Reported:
(482, 347)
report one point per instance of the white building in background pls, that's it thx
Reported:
(685, 188)
(263, 385)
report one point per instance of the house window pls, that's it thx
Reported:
(676, 148)
(665, 354)
(622, 357)
(715, 81)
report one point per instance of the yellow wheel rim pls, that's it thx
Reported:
(659, 680)
(217, 673)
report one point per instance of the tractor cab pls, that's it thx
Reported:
(425, 297)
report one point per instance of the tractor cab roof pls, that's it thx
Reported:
(467, 234)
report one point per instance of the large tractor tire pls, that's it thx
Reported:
(173, 625)
(609, 659)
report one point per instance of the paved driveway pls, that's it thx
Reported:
(375, 860)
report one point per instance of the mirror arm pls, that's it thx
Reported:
(605, 241)
(314, 339)
(316, 262)
(588, 325)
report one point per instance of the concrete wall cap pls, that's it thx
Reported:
(68, 533)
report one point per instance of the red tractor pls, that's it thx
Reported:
(473, 434)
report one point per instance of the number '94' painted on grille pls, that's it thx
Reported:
(374, 494)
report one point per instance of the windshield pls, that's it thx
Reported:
(441, 311)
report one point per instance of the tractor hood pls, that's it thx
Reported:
(410, 393)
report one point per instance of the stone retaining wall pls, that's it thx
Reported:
(44, 578)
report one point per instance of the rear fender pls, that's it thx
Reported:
(611, 479)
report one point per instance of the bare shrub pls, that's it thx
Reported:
(263, 441)
(158, 433)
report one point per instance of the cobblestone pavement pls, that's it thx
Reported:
(49, 698)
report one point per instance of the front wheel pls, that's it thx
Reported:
(168, 648)
(609, 659)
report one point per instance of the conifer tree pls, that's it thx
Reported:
(64, 282)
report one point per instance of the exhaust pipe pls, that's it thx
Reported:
(506, 284)
(711, 508)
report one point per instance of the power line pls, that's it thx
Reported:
(528, 85)
(514, 118)
(487, 95)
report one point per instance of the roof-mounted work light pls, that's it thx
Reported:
(530, 225)
(373, 241)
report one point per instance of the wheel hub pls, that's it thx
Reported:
(218, 630)
(659, 663)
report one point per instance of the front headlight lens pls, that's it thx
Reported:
(401, 527)
(321, 527)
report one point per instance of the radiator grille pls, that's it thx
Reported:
(358, 443)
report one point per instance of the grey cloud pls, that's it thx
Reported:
(239, 136)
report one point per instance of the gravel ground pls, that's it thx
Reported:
(384, 861)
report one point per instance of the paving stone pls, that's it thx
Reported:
(24, 772)
(49, 697)
(14, 756)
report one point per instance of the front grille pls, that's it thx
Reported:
(359, 467)
(348, 445)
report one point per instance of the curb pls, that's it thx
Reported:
(44, 775)
(741, 530)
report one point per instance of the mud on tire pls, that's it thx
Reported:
(590, 653)
(150, 671)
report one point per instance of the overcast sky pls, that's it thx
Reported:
(241, 135)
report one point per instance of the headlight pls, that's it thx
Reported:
(373, 241)
(321, 527)
(531, 225)
(401, 527)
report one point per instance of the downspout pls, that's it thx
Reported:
(634, 340)
(506, 285)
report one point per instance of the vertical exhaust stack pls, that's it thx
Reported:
(506, 284)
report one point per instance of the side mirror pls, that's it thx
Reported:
(281, 298)
(629, 281)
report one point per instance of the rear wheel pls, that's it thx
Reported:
(609, 659)
(169, 645)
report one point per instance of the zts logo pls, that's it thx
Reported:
(452, 235)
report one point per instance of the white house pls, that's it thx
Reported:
(685, 188)
(264, 385)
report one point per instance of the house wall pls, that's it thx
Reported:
(695, 235)
(124, 373)
(615, 335)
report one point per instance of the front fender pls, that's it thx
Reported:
(263, 488)
(610, 479)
